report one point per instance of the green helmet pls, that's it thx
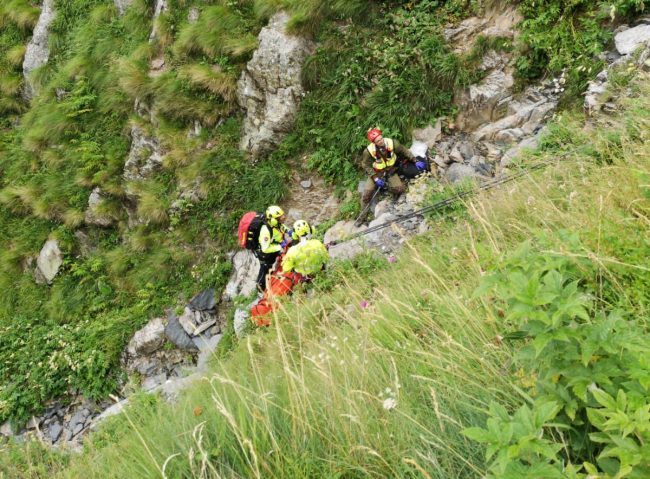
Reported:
(301, 228)
(273, 214)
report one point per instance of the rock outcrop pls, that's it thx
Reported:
(94, 214)
(48, 262)
(38, 51)
(384, 240)
(629, 40)
(160, 7)
(243, 279)
(240, 321)
(497, 22)
(148, 339)
(484, 102)
(145, 156)
(270, 88)
(122, 5)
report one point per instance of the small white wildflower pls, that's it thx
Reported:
(388, 391)
(390, 404)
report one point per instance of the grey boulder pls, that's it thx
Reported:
(629, 40)
(177, 335)
(148, 339)
(48, 262)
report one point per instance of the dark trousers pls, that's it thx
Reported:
(267, 260)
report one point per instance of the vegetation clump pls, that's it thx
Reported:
(558, 36)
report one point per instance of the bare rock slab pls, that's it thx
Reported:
(145, 156)
(270, 88)
(429, 135)
(122, 5)
(203, 301)
(629, 40)
(243, 279)
(94, 214)
(147, 339)
(38, 51)
(239, 321)
(177, 334)
(48, 262)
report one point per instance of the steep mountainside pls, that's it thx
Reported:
(135, 133)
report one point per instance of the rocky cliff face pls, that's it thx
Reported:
(38, 51)
(270, 88)
(494, 126)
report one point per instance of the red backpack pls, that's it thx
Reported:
(248, 233)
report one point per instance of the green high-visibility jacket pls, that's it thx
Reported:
(270, 238)
(306, 258)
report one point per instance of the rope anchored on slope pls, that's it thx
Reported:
(446, 202)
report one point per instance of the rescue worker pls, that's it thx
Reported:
(271, 242)
(307, 256)
(384, 159)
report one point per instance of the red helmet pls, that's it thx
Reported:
(373, 133)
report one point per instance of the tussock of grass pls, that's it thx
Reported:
(212, 79)
(19, 12)
(15, 55)
(219, 30)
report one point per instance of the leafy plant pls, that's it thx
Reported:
(582, 359)
(568, 36)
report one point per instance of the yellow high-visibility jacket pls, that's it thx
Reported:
(270, 238)
(306, 258)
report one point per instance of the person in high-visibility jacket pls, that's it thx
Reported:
(271, 241)
(307, 256)
(383, 160)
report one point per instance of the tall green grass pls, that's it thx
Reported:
(17, 18)
(379, 372)
(73, 137)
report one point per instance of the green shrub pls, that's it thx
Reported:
(393, 70)
(588, 374)
(568, 36)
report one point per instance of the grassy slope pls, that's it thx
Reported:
(71, 335)
(306, 398)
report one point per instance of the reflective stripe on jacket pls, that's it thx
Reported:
(270, 239)
(380, 163)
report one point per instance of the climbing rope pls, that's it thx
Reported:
(447, 201)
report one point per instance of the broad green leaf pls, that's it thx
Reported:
(603, 398)
(479, 435)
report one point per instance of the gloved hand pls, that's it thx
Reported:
(285, 243)
(420, 165)
(380, 183)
